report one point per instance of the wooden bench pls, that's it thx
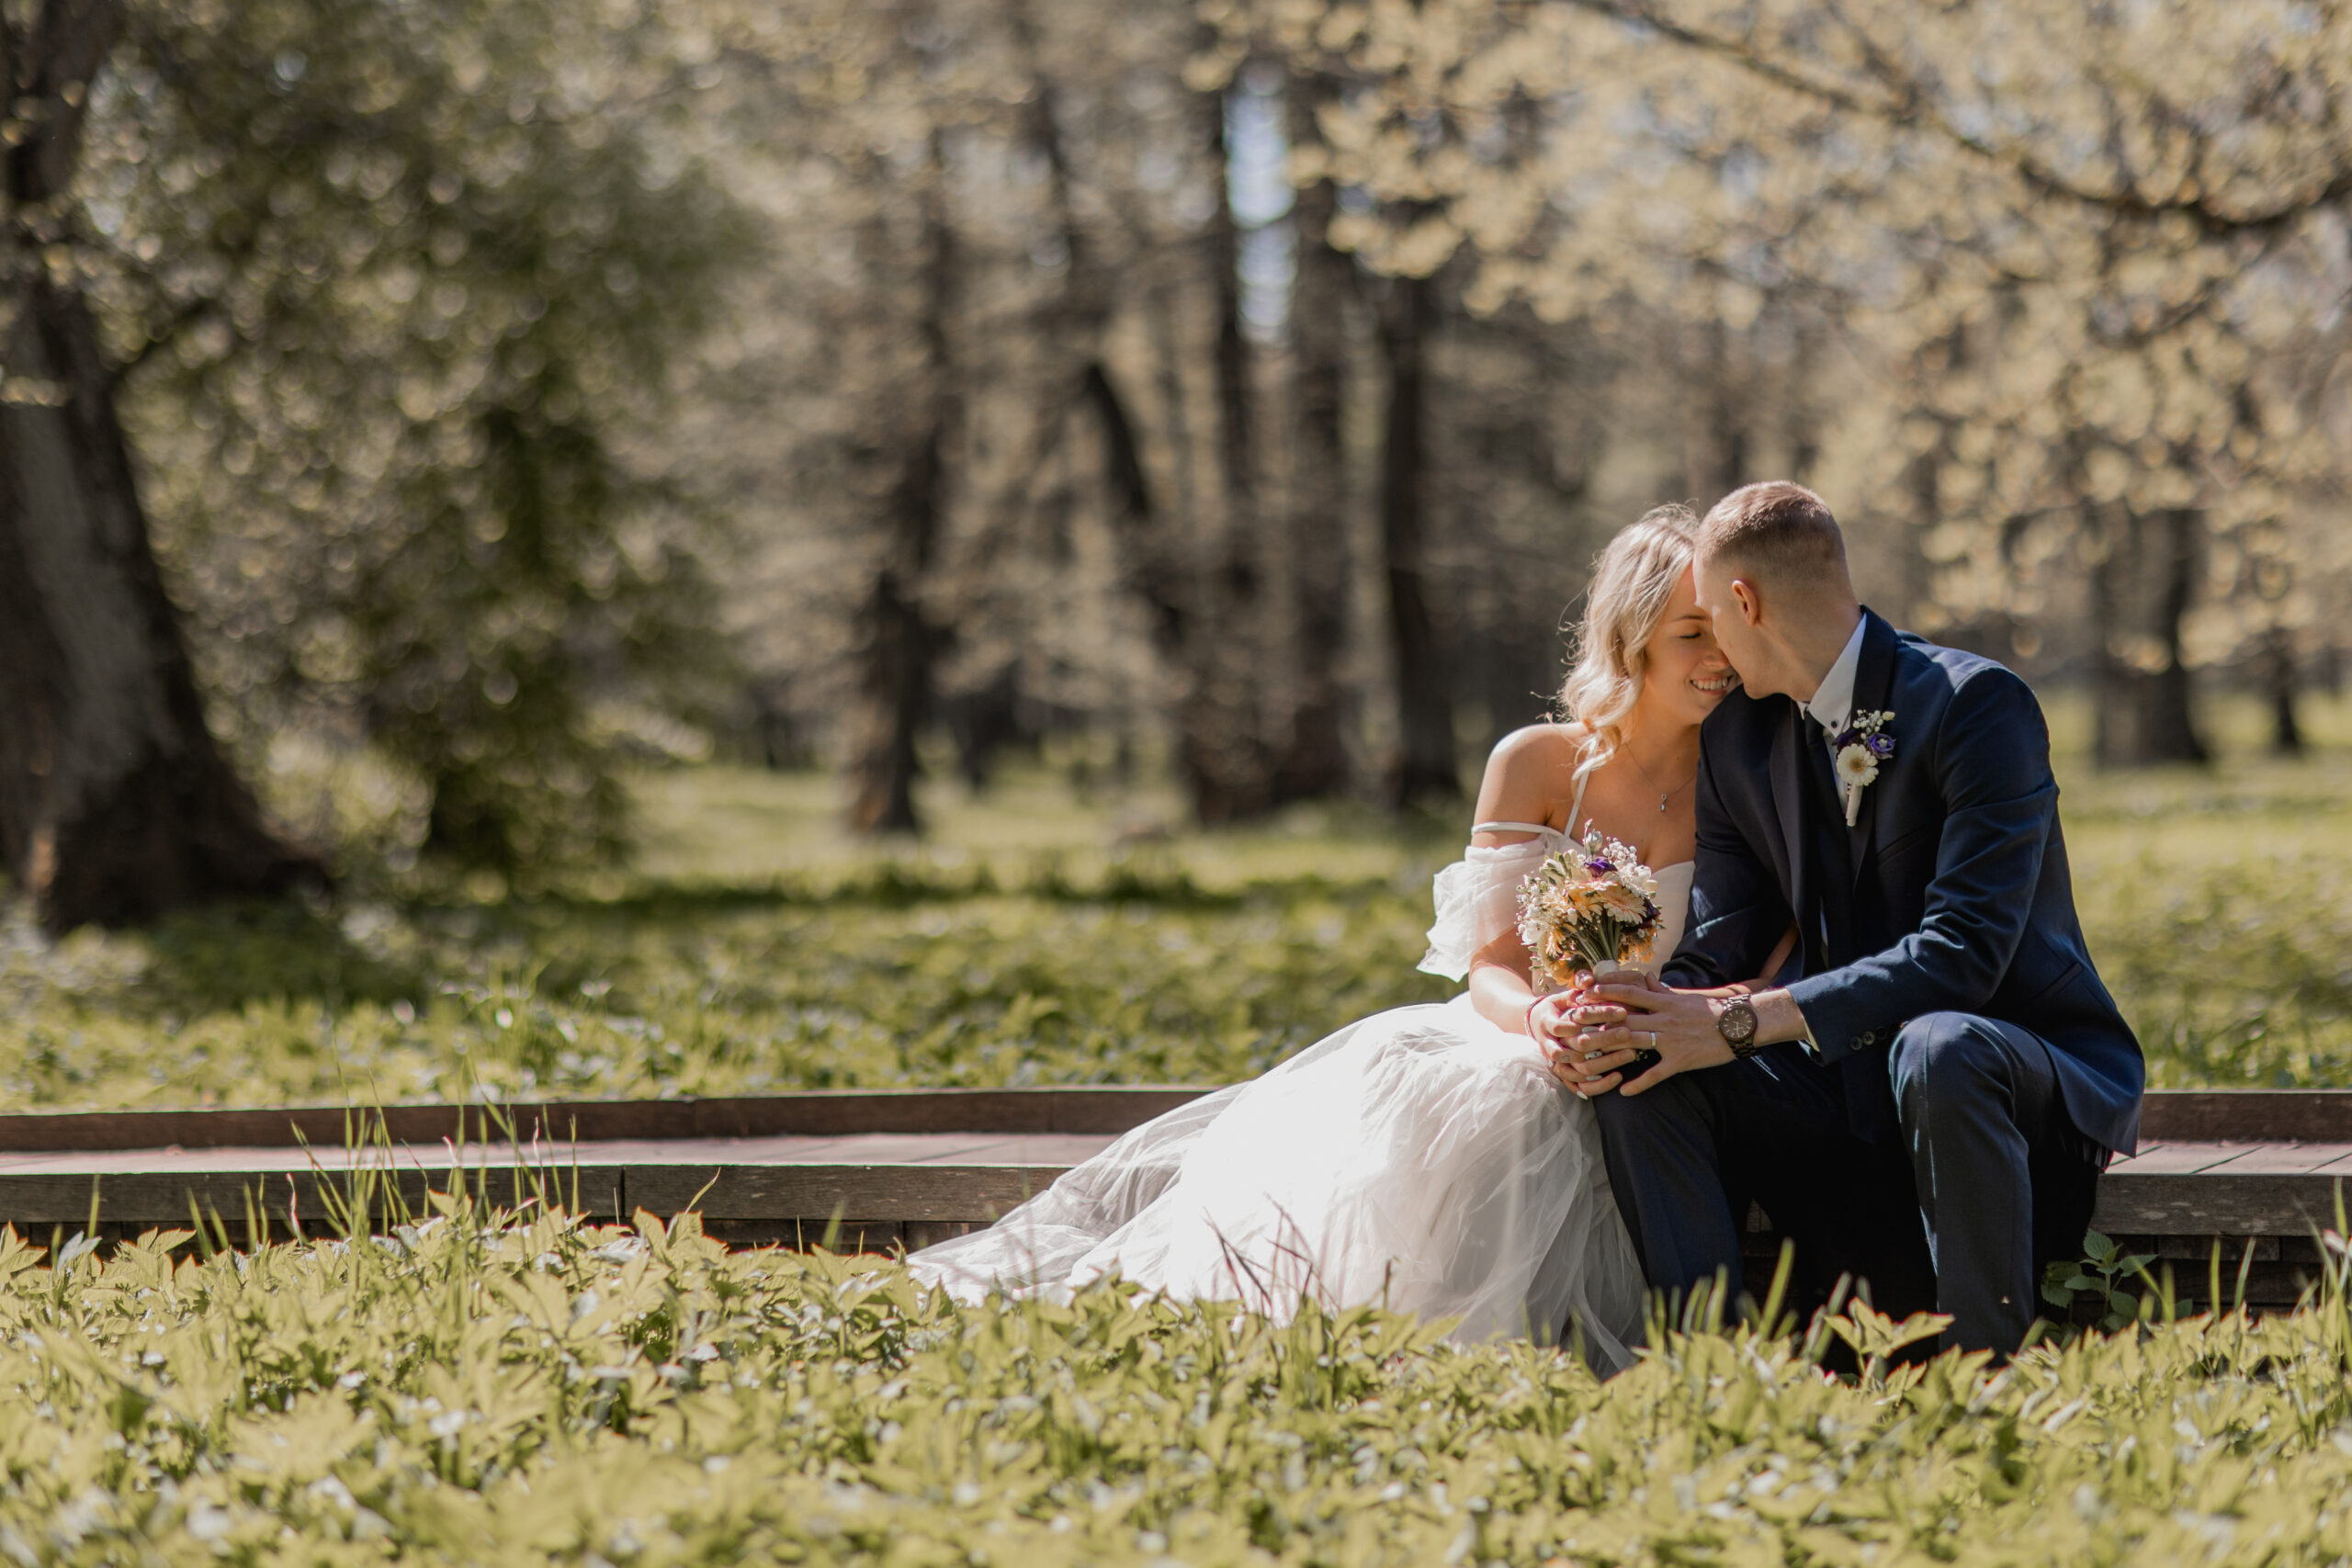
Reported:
(2252, 1169)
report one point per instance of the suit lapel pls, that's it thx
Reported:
(1873, 678)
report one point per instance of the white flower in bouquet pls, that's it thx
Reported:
(1592, 907)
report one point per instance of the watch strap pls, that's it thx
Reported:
(1741, 1040)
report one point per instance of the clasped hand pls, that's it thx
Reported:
(1591, 1032)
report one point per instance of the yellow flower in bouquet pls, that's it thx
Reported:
(1593, 907)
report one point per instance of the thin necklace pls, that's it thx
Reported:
(1663, 796)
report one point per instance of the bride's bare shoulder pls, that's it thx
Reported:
(1530, 773)
(1541, 745)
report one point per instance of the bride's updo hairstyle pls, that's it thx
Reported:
(1631, 580)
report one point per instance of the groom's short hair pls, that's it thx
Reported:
(1779, 532)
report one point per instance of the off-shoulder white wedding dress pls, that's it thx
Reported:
(1422, 1159)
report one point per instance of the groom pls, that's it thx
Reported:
(1930, 1103)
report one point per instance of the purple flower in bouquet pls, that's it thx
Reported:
(1591, 908)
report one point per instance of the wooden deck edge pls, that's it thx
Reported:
(2199, 1115)
(2218, 1203)
(2246, 1115)
(2266, 1226)
(1099, 1108)
(787, 1194)
(2203, 1204)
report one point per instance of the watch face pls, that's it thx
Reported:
(1738, 1023)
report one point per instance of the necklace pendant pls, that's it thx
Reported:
(1661, 803)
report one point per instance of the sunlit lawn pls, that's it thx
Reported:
(1042, 933)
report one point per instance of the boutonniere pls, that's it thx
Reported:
(1861, 748)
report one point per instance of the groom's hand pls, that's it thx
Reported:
(1678, 1025)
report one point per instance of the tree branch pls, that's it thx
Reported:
(70, 44)
(186, 316)
(1909, 105)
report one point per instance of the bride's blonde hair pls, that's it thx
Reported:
(1632, 579)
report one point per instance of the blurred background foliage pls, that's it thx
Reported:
(1234, 392)
(402, 284)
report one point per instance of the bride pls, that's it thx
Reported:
(1425, 1158)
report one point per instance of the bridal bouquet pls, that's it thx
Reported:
(1593, 905)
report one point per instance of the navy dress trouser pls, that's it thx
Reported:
(1987, 1181)
(2005, 1182)
(1686, 1158)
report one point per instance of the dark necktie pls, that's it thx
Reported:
(1828, 825)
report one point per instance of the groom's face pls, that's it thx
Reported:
(1737, 617)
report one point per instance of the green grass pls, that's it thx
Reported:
(477, 1389)
(486, 1388)
(1043, 935)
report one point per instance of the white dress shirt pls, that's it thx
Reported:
(1832, 706)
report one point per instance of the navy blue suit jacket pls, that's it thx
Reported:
(1950, 893)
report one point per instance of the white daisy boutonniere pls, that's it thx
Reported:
(1861, 747)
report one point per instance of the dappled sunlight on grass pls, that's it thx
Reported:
(1049, 934)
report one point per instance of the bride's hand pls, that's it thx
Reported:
(1583, 1072)
(1570, 1012)
(1547, 1016)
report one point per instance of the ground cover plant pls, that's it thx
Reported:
(482, 1387)
(751, 950)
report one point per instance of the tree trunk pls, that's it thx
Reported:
(2141, 592)
(1427, 767)
(1714, 461)
(1199, 592)
(1235, 431)
(116, 803)
(1221, 741)
(894, 680)
(2279, 680)
(1312, 759)
(901, 646)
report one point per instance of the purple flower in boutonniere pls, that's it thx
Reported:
(1861, 747)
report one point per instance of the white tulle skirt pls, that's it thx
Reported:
(1421, 1158)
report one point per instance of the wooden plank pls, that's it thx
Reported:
(2280, 1160)
(2177, 1159)
(897, 1191)
(2213, 1203)
(2248, 1115)
(1104, 1107)
(2199, 1249)
(162, 1197)
(1090, 1109)
(2194, 1115)
(330, 1126)
(1061, 1149)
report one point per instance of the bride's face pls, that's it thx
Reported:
(1688, 672)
